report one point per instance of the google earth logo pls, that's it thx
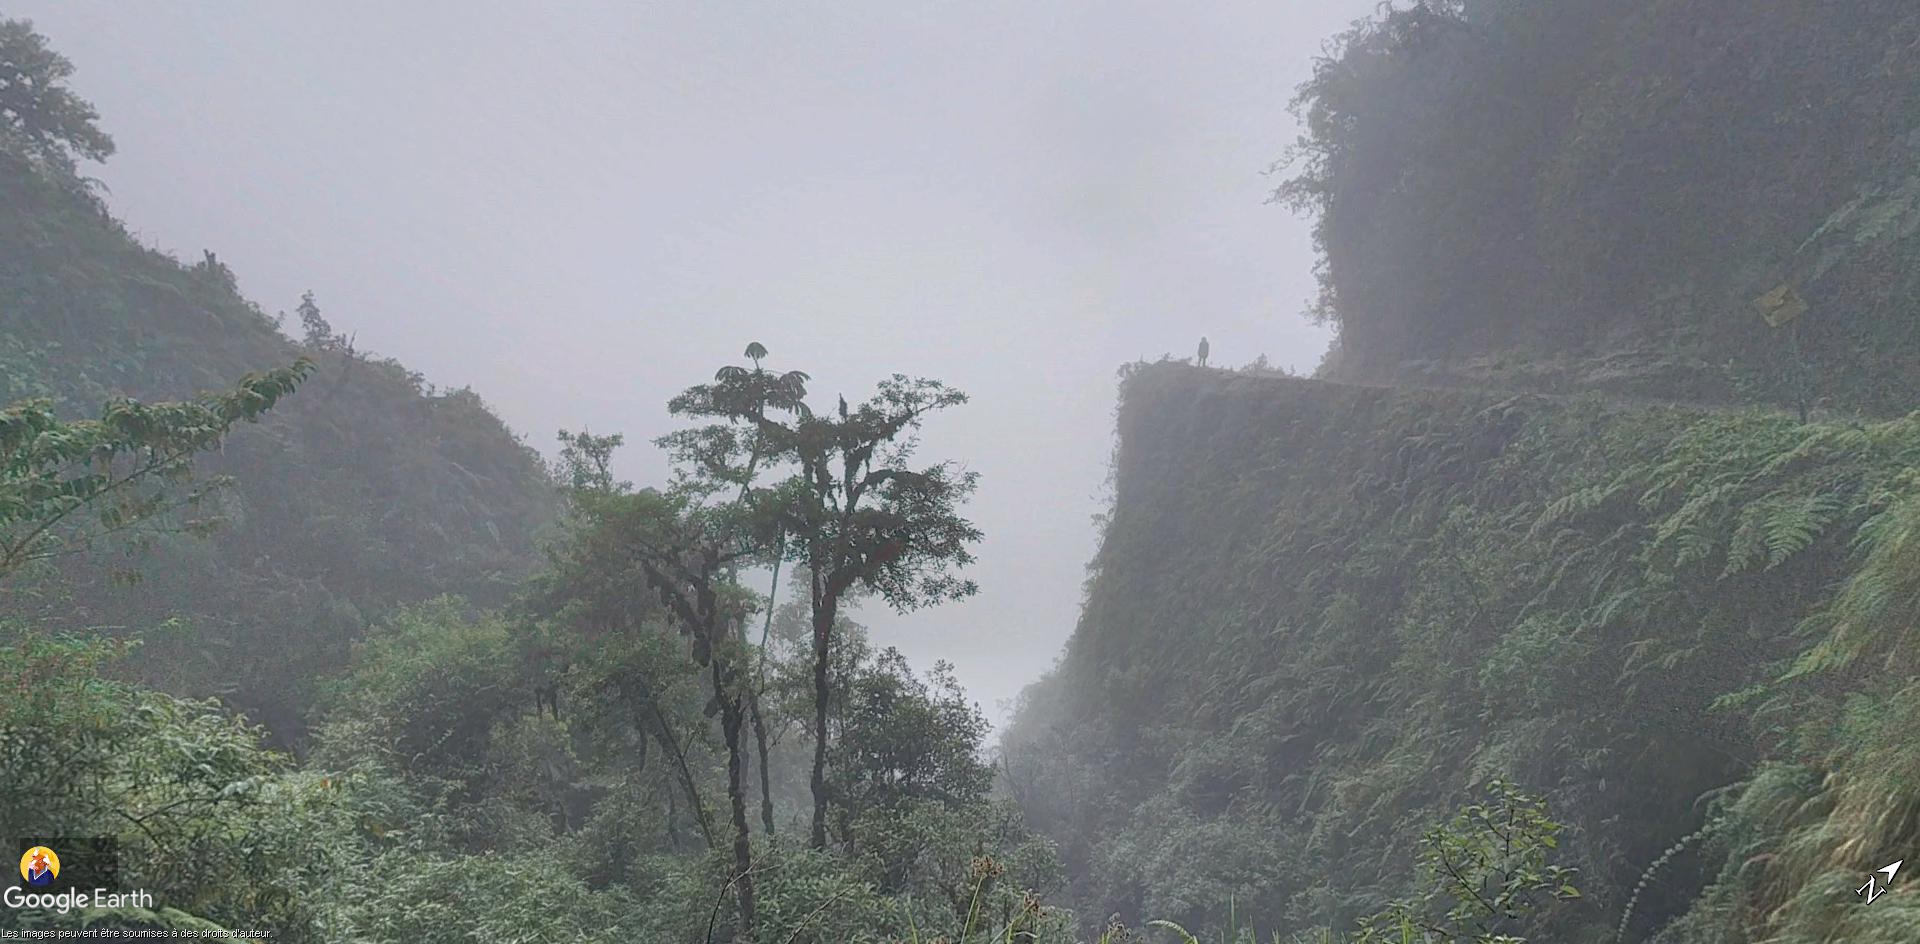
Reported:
(91, 861)
(39, 866)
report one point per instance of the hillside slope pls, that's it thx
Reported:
(1322, 613)
(367, 489)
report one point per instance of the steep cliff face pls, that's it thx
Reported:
(1585, 194)
(1494, 539)
(1322, 612)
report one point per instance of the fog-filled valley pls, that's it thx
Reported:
(1049, 190)
(955, 530)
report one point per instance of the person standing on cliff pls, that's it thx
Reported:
(1204, 348)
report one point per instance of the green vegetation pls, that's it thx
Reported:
(859, 520)
(41, 120)
(447, 796)
(1658, 616)
(334, 655)
(69, 485)
(1485, 871)
(1563, 244)
(1590, 195)
(520, 696)
(443, 759)
(369, 490)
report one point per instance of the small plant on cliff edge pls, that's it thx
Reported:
(1488, 868)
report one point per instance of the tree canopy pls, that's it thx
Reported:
(40, 117)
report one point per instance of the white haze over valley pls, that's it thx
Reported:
(580, 208)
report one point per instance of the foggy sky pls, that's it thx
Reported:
(581, 208)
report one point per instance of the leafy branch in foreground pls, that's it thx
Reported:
(64, 485)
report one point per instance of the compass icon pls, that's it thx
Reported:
(1873, 890)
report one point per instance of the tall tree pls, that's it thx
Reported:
(730, 454)
(596, 587)
(864, 522)
(850, 508)
(686, 551)
(315, 329)
(765, 391)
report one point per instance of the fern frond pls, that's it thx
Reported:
(1748, 545)
(1793, 526)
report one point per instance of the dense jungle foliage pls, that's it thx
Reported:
(335, 657)
(370, 490)
(1681, 625)
(1637, 580)
(1613, 642)
(1585, 194)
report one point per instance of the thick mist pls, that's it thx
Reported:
(578, 211)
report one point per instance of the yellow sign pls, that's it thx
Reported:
(1781, 305)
